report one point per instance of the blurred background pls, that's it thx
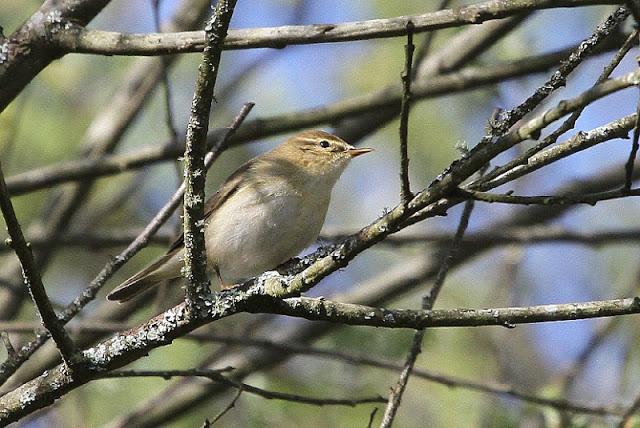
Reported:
(47, 123)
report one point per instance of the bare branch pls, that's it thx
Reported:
(227, 408)
(406, 76)
(195, 259)
(558, 79)
(33, 281)
(216, 376)
(81, 40)
(427, 304)
(26, 52)
(351, 314)
(570, 122)
(581, 141)
(587, 198)
(635, 145)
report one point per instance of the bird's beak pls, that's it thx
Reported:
(357, 152)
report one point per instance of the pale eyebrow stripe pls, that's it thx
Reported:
(310, 140)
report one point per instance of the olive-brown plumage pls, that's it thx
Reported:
(265, 213)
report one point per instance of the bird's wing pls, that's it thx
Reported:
(228, 188)
(150, 275)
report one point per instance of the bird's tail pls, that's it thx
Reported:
(160, 270)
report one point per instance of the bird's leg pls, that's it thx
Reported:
(223, 286)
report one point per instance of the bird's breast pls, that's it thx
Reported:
(260, 227)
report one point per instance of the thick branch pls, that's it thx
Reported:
(350, 314)
(26, 52)
(128, 346)
(81, 40)
(195, 260)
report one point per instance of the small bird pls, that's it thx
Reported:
(265, 213)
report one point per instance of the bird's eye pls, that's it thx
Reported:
(324, 144)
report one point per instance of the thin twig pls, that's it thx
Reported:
(8, 346)
(216, 376)
(570, 122)
(32, 279)
(195, 258)
(229, 406)
(406, 77)
(558, 79)
(635, 145)
(587, 198)
(372, 417)
(427, 304)
(168, 103)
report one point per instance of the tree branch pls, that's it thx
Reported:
(587, 198)
(33, 281)
(216, 376)
(81, 40)
(351, 314)
(195, 259)
(581, 141)
(601, 35)
(26, 52)
(406, 76)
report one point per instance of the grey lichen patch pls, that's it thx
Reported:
(389, 317)
(54, 16)
(273, 284)
(193, 201)
(56, 21)
(4, 54)
(28, 396)
(151, 334)
(96, 356)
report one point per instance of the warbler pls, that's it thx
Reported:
(265, 213)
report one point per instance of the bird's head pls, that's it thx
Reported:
(320, 153)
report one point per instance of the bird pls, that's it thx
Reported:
(265, 213)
